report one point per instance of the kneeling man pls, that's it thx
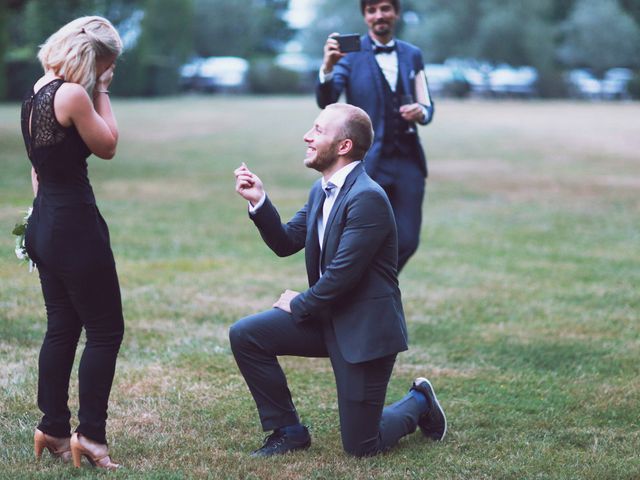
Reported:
(352, 312)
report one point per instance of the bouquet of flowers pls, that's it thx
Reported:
(19, 231)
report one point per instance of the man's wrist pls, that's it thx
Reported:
(325, 76)
(253, 207)
(425, 113)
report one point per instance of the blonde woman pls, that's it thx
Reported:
(65, 118)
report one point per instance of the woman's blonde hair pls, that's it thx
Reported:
(72, 51)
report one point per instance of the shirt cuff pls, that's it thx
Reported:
(425, 112)
(254, 208)
(325, 77)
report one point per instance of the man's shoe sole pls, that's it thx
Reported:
(432, 399)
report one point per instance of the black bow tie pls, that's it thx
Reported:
(383, 49)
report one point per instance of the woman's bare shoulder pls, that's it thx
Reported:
(71, 101)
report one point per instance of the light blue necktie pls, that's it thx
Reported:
(326, 210)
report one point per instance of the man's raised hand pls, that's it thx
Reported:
(332, 53)
(248, 185)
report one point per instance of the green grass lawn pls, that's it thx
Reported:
(522, 303)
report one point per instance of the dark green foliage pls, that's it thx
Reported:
(244, 28)
(632, 7)
(170, 32)
(3, 48)
(600, 35)
(151, 67)
(265, 77)
(634, 86)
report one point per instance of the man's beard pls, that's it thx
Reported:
(382, 29)
(323, 159)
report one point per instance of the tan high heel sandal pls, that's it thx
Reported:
(96, 453)
(58, 447)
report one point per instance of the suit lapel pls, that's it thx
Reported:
(349, 181)
(374, 69)
(312, 247)
(403, 68)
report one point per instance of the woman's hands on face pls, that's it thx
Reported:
(104, 80)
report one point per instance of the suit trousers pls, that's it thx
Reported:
(366, 426)
(404, 183)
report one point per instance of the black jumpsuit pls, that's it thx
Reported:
(68, 240)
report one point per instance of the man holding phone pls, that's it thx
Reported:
(385, 77)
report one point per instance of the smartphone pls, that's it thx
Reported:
(348, 43)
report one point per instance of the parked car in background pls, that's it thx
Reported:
(305, 66)
(188, 73)
(215, 74)
(438, 77)
(508, 81)
(582, 83)
(615, 83)
(298, 62)
(446, 80)
(478, 78)
(487, 80)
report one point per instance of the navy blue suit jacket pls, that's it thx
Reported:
(358, 291)
(360, 77)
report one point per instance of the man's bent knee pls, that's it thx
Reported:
(239, 334)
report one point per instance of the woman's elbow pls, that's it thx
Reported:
(107, 152)
(106, 155)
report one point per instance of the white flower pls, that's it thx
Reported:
(20, 249)
(19, 231)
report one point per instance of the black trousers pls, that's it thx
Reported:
(366, 426)
(404, 184)
(80, 288)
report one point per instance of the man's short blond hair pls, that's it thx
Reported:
(356, 126)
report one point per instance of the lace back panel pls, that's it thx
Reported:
(46, 131)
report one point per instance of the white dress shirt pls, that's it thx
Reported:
(388, 63)
(337, 180)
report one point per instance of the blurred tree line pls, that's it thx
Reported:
(550, 35)
(158, 35)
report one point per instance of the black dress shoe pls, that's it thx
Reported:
(279, 443)
(433, 423)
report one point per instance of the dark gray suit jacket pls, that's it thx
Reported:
(358, 291)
